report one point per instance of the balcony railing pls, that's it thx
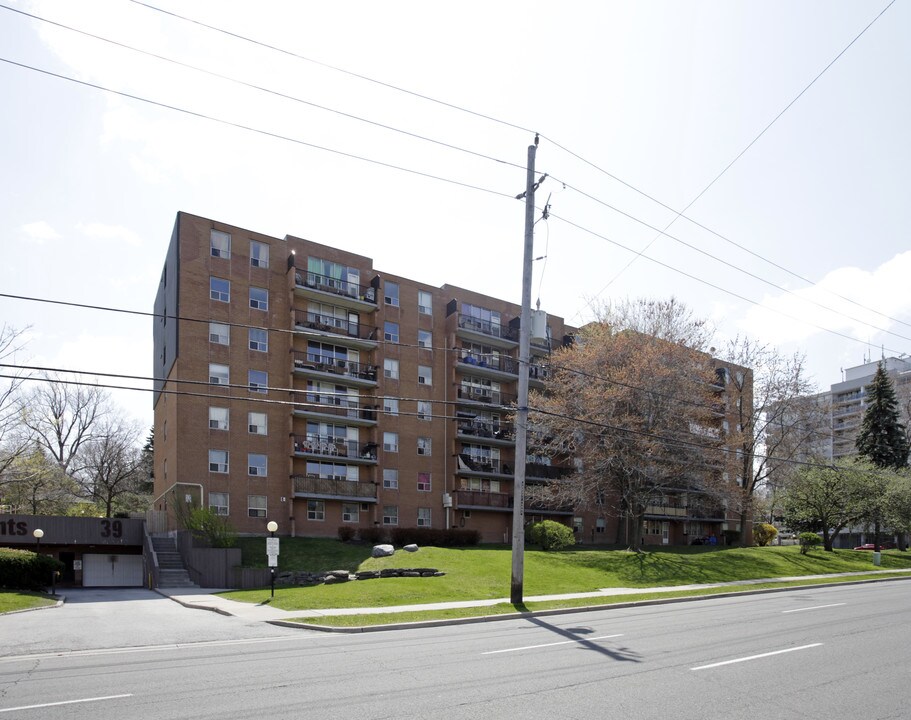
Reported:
(486, 430)
(323, 363)
(538, 471)
(336, 286)
(329, 446)
(486, 327)
(305, 320)
(485, 395)
(332, 487)
(340, 405)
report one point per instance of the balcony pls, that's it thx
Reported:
(486, 434)
(487, 332)
(483, 500)
(323, 488)
(334, 290)
(320, 366)
(468, 464)
(350, 333)
(325, 446)
(485, 396)
(323, 406)
(538, 471)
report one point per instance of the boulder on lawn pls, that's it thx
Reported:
(410, 548)
(383, 550)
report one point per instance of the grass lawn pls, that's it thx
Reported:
(23, 600)
(483, 572)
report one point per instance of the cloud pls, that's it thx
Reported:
(864, 304)
(117, 233)
(40, 232)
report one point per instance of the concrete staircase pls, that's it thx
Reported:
(171, 570)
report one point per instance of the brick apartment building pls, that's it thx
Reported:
(296, 383)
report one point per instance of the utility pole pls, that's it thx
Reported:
(518, 507)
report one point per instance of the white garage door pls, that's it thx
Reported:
(112, 571)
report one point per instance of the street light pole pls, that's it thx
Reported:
(38, 533)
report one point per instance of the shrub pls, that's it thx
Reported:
(435, 537)
(25, 570)
(211, 527)
(345, 533)
(764, 533)
(372, 535)
(551, 535)
(808, 541)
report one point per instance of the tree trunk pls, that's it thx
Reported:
(826, 540)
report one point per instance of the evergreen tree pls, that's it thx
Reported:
(882, 439)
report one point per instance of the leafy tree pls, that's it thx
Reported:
(36, 485)
(826, 498)
(551, 535)
(634, 410)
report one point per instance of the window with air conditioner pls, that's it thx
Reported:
(424, 446)
(259, 254)
(259, 340)
(258, 381)
(391, 368)
(425, 302)
(257, 464)
(259, 298)
(218, 503)
(391, 441)
(218, 374)
(257, 424)
(350, 512)
(425, 339)
(219, 334)
(425, 375)
(218, 418)
(220, 244)
(218, 461)
(391, 405)
(391, 294)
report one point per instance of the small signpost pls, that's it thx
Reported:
(272, 552)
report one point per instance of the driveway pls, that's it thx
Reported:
(96, 618)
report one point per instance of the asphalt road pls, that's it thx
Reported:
(832, 653)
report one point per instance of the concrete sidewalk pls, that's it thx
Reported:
(207, 599)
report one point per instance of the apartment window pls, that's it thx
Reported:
(425, 375)
(259, 254)
(256, 506)
(392, 294)
(220, 244)
(218, 418)
(259, 298)
(218, 461)
(391, 441)
(425, 302)
(219, 334)
(390, 515)
(391, 369)
(423, 482)
(425, 339)
(350, 512)
(424, 410)
(257, 423)
(257, 465)
(258, 380)
(316, 510)
(391, 332)
(218, 503)
(599, 525)
(390, 479)
(218, 374)
(259, 340)
(219, 289)
(423, 517)
(424, 446)
(391, 406)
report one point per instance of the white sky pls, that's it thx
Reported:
(661, 95)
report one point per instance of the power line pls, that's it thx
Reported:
(263, 89)
(744, 151)
(249, 128)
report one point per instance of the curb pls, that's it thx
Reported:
(60, 600)
(565, 611)
(194, 606)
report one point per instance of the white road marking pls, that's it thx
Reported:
(564, 642)
(755, 657)
(65, 702)
(815, 607)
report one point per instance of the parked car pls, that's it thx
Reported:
(871, 546)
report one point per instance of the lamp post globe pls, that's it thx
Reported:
(38, 533)
(272, 526)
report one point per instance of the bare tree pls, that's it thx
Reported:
(111, 466)
(634, 410)
(63, 417)
(13, 442)
(779, 420)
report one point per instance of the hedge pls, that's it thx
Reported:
(25, 570)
